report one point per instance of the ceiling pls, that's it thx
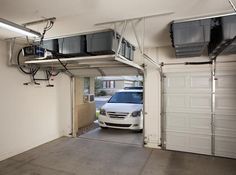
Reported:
(76, 16)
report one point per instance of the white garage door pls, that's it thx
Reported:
(187, 111)
(225, 114)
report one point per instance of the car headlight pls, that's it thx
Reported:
(136, 113)
(102, 111)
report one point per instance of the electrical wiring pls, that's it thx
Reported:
(48, 26)
(53, 74)
(64, 66)
(31, 69)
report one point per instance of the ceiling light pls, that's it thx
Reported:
(18, 28)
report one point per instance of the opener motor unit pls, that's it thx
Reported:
(34, 51)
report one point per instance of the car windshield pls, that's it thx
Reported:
(127, 97)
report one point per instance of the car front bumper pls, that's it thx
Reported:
(129, 122)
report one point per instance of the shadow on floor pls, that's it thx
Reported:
(115, 135)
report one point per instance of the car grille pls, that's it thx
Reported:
(120, 115)
(118, 125)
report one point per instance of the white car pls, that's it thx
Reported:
(124, 110)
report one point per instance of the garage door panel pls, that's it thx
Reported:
(226, 82)
(225, 146)
(187, 103)
(225, 124)
(200, 82)
(187, 83)
(188, 142)
(200, 101)
(188, 111)
(225, 114)
(188, 123)
(224, 79)
(226, 102)
(176, 82)
(176, 101)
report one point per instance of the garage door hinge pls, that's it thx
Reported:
(163, 76)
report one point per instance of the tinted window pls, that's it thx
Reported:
(137, 88)
(127, 97)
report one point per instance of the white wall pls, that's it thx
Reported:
(152, 131)
(30, 115)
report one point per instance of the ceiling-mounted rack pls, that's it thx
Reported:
(108, 61)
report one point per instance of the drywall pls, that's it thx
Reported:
(152, 107)
(84, 111)
(152, 131)
(30, 115)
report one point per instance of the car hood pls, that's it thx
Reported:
(122, 107)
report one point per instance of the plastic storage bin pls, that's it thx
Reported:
(190, 38)
(129, 51)
(132, 53)
(73, 46)
(104, 43)
(51, 45)
(222, 33)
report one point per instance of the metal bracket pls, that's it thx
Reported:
(121, 37)
(140, 44)
(39, 21)
(213, 101)
(162, 113)
(232, 4)
(101, 72)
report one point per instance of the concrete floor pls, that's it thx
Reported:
(115, 136)
(71, 156)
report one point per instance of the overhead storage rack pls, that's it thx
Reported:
(191, 37)
(97, 63)
(98, 50)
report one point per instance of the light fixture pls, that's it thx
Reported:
(18, 28)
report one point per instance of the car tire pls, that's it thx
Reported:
(102, 127)
(139, 131)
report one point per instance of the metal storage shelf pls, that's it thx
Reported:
(85, 62)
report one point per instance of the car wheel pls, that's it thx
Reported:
(139, 131)
(102, 127)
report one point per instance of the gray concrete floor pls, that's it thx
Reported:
(82, 156)
(115, 136)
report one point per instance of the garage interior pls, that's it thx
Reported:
(185, 51)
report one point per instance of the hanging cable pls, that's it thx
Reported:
(53, 74)
(58, 56)
(21, 67)
(48, 26)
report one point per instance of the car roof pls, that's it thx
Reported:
(131, 90)
(134, 87)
